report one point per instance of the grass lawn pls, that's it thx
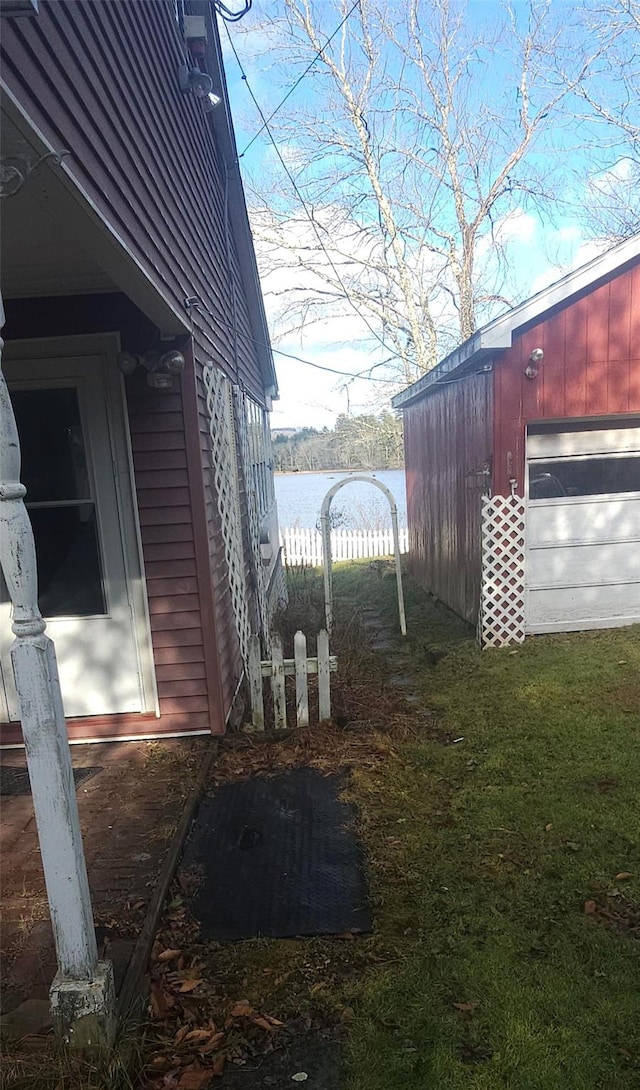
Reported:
(506, 866)
(501, 821)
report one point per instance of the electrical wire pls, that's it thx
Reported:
(300, 78)
(228, 14)
(360, 376)
(291, 178)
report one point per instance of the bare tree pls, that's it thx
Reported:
(418, 150)
(611, 98)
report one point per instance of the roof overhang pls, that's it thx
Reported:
(497, 335)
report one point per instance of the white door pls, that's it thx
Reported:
(69, 469)
(583, 526)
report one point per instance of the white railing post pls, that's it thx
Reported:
(302, 689)
(82, 994)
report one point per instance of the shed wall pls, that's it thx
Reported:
(591, 367)
(447, 447)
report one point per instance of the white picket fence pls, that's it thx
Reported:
(302, 546)
(300, 666)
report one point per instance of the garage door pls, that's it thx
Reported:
(583, 526)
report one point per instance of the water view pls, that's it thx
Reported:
(357, 506)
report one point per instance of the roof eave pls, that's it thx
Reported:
(222, 124)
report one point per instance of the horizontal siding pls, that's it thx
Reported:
(591, 367)
(100, 78)
(447, 440)
(167, 531)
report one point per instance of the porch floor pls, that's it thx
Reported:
(128, 813)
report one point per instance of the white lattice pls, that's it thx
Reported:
(503, 560)
(249, 460)
(225, 473)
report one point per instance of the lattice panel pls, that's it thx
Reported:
(249, 458)
(503, 563)
(225, 472)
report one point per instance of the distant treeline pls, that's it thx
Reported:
(356, 442)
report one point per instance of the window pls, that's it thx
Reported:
(261, 464)
(592, 476)
(60, 502)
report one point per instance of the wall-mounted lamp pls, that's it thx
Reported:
(537, 356)
(194, 82)
(160, 367)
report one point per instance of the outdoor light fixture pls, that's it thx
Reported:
(537, 356)
(194, 82)
(160, 367)
(211, 102)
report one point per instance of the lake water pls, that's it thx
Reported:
(357, 506)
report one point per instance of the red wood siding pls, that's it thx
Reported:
(447, 439)
(591, 367)
(163, 492)
(100, 79)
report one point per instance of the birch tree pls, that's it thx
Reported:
(417, 149)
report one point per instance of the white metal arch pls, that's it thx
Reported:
(325, 524)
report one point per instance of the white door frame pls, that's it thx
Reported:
(106, 346)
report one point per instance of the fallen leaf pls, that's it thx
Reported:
(197, 1034)
(548, 827)
(241, 1010)
(623, 875)
(212, 1044)
(590, 908)
(301, 1076)
(258, 1020)
(168, 955)
(189, 985)
(181, 1034)
(466, 1008)
(573, 845)
(217, 1066)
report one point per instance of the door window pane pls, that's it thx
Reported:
(69, 571)
(584, 477)
(54, 463)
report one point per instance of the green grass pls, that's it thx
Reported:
(484, 854)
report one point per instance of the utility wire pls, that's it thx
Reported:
(360, 376)
(299, 195)
(300, 78)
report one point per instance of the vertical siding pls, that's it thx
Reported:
(591, 367)
(447, 440)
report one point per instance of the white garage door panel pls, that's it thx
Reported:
(587, 519)
(575, 443)
(579, 565)
(574, 608)
(583, 551)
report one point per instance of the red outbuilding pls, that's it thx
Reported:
(523, 460)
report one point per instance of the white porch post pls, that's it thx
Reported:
(82, 994)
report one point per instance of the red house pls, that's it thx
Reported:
(138, 360)
(523, 461)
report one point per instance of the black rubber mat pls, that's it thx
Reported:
(277, 857)
(15, 781)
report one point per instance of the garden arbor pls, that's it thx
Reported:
(325, 524)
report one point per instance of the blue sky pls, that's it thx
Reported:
(539, 251)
